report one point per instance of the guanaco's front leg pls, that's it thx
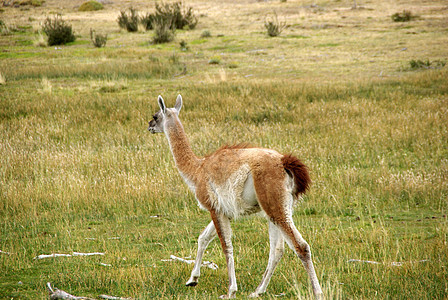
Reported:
(204, 240)
(222, 225)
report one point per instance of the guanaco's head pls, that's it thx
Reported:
(165, 115)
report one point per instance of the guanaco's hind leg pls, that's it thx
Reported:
(277, 246)
(298, 244)
(204, 240)
(274, 194)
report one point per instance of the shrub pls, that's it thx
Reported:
(176, 14)
(183, 46)
(206, 34)
(2, 26)
(232, 65)
(404, 16)
(57, 31)
(273, 26)
(147, 21)
(163, 31)
(98, 40)
(420, 64)
(128, 21)
(182, 16)
(4, 29)
(215, 60)
(90, 6)
(34, 3)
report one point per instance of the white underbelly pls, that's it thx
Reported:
(235, 197)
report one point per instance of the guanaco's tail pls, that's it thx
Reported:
(299, 171)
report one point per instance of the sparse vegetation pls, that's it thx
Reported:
(80, 172)
(147, 20)
(404, 16)
(91, 6)
(163, 30)
(206, 34)
(215, 60)
(98, 40)
(183, 46)
(129, 20)
(3, 28)
(35, 3)
(182, 17)
(58, 31)
(39, 40)
(426, 64)
(232, 65)
(273, 26)
(175, 14)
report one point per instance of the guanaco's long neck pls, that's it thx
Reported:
(186, 161)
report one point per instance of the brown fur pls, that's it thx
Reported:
(231, 147)
(299, 171)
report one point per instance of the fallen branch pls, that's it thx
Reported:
(42, 256)
(111, 238)
(59, 294)
(4, 252)
(105, 265)
(208, 264)
(56, 294)
(394, 263)
(113, 297)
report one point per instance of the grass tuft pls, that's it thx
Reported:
(404, 16)
(91, 6)
(426, 64)
(129, 21)
(98, 40)
(206, 34)
(273, 26)
(163, 30)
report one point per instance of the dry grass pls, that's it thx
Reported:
(335, 89)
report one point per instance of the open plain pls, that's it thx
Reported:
(361, 99)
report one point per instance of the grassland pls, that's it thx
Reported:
(80, 173)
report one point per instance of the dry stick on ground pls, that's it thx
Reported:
(59, 294)
(56, 294)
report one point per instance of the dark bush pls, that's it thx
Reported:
(90, 6)
(147, 21)
(34, 3)
(57, 31)
(177, 14)
(98, 40)
(206, 34)
(421, 64)
(183, 46)
(273, 26)
(128, 21)
(404, 16)
(163, 31)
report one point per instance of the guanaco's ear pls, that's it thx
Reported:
(178, 105)
(162, 104)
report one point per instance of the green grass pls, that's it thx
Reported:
(78, 168)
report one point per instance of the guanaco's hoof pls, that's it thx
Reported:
(193, 281)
